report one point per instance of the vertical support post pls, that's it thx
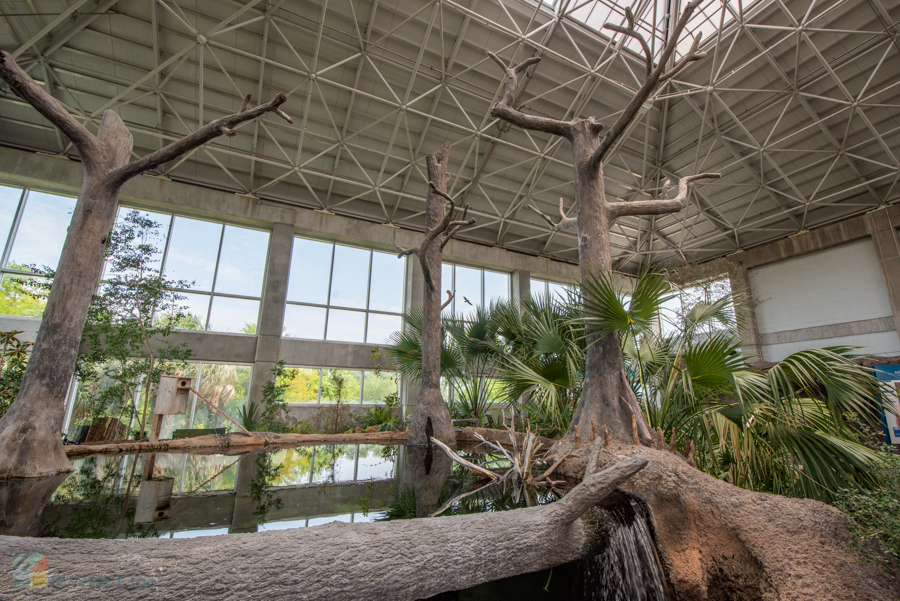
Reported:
(883, 229)
(750, 346)
(521, 286)
(272, 306)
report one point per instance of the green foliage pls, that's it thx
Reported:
(120, 326)
(13, 360)
(336, 418)
(384, 416)
(273, 415)
(874, 512)
(250, 416)
(260, 487)
(23, 296)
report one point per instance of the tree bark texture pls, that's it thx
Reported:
(405, 559)
(718, 541)
(30, 439)
(431, 416)
(607, 399)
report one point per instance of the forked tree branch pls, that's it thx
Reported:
(448, 227)
(450, 296)
(660, 206)
(632, 32)
(564, 222)
(213, 129)
(693, 55)
(87, 145)
(504, 109)
(646, 90)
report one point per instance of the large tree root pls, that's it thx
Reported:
(399, 560)
(718, 541)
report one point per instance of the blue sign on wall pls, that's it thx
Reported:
(890, 423)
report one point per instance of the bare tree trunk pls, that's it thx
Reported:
(404, 559)
(431, 418)
(30, 438)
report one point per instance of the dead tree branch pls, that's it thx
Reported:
(449, 300)
(632, 32)
(504, 109)
(213, 129)
(646, 90)
(662, 205)
(564, 222)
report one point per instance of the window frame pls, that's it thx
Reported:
(328, 306)
(454, 264)
(362, 385)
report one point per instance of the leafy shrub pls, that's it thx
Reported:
(384, 416)
(13, 359)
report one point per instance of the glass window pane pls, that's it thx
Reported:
(225, 386)
(304, 322)
(242, 262)
(381, 327)
(42, 231)
(304, 387)
(538, 289)
(195, 308)
(347, 383)
(349, 277)
(496, 287)
(558, 291)
(16, 296)
(156, 238)
(386, 293)
(468, 287)
(376, 387)
(192, 252)
(310, 270)
(9, 202)
(233, 315)
(346, 326)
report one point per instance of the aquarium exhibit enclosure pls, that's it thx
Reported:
(297, 235)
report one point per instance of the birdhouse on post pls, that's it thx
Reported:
(171, 399)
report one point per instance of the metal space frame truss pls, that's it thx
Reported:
(710, 226)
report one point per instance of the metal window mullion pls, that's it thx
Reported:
(14, 228)
(328, 300)
(319, 393)
(194, 404)
(368, 294)
(212, 290)
(165, 257)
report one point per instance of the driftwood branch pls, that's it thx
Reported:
(210, 131)
(475, 469)
(660, 206)
(563, 223)
(645, 91)
(85, 142)
(632, 32)
(449, 300)
(504, 109)
(593, 487)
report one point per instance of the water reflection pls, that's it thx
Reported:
(184, 495)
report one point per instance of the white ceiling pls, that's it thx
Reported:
(797, 104)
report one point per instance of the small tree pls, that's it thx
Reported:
(128, 341)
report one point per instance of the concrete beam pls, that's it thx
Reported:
(882, 226)
(837, 330)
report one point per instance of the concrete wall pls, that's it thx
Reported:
(828, 298)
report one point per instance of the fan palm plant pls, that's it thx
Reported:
(785, 431)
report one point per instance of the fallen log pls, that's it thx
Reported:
(232, 440)
(409, 559)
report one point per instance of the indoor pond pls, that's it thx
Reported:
(182, 495)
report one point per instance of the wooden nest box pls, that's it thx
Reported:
(171, 399)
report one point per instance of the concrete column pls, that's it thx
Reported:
(750, 346)
(521, 286)
(271, 313)
(882, 226)
(415, 290)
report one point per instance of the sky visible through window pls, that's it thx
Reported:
(343, 293)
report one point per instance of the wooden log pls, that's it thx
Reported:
(407, 559)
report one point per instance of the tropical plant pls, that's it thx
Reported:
(121, 325)
(13, 360)
(784, 431)
(384, 415)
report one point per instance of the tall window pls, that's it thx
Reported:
(473, 287)
(544, 288)
(343, 293)
(220, 269)
(313, 385)
(32, 230)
